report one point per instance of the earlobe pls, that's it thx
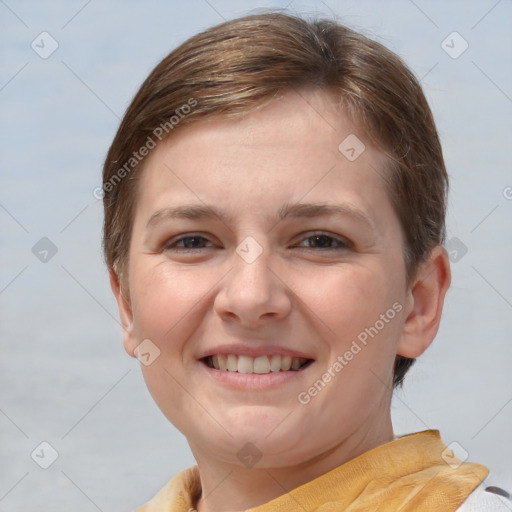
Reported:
(125, 313)
(425, 304)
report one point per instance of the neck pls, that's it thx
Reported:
(229, 487)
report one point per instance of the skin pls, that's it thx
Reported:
(303, 294)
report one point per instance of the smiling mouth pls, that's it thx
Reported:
(258, 365)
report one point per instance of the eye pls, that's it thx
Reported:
(188, 243)
(325, 242)
(195, 243)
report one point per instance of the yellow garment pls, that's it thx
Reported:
(406, 475)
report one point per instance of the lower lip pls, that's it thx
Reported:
(254, 381)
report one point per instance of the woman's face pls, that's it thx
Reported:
(258, 244)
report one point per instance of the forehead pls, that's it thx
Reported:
(300, 146)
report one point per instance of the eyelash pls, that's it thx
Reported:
(342, 244)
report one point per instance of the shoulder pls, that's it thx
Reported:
(488, 498)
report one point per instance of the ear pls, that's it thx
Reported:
(125, 314)
(424, 304)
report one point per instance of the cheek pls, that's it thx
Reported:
(350, 299)
(168, 306)
(166, 302)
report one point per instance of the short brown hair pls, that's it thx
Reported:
(242, 64)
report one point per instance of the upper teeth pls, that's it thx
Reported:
(261, 364)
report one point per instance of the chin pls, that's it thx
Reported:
(271, 441)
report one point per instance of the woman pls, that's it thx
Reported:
(274, 219)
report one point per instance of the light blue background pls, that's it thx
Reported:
(64, 376)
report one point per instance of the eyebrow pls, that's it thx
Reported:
(297, 210)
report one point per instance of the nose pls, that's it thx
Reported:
(253, 292)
